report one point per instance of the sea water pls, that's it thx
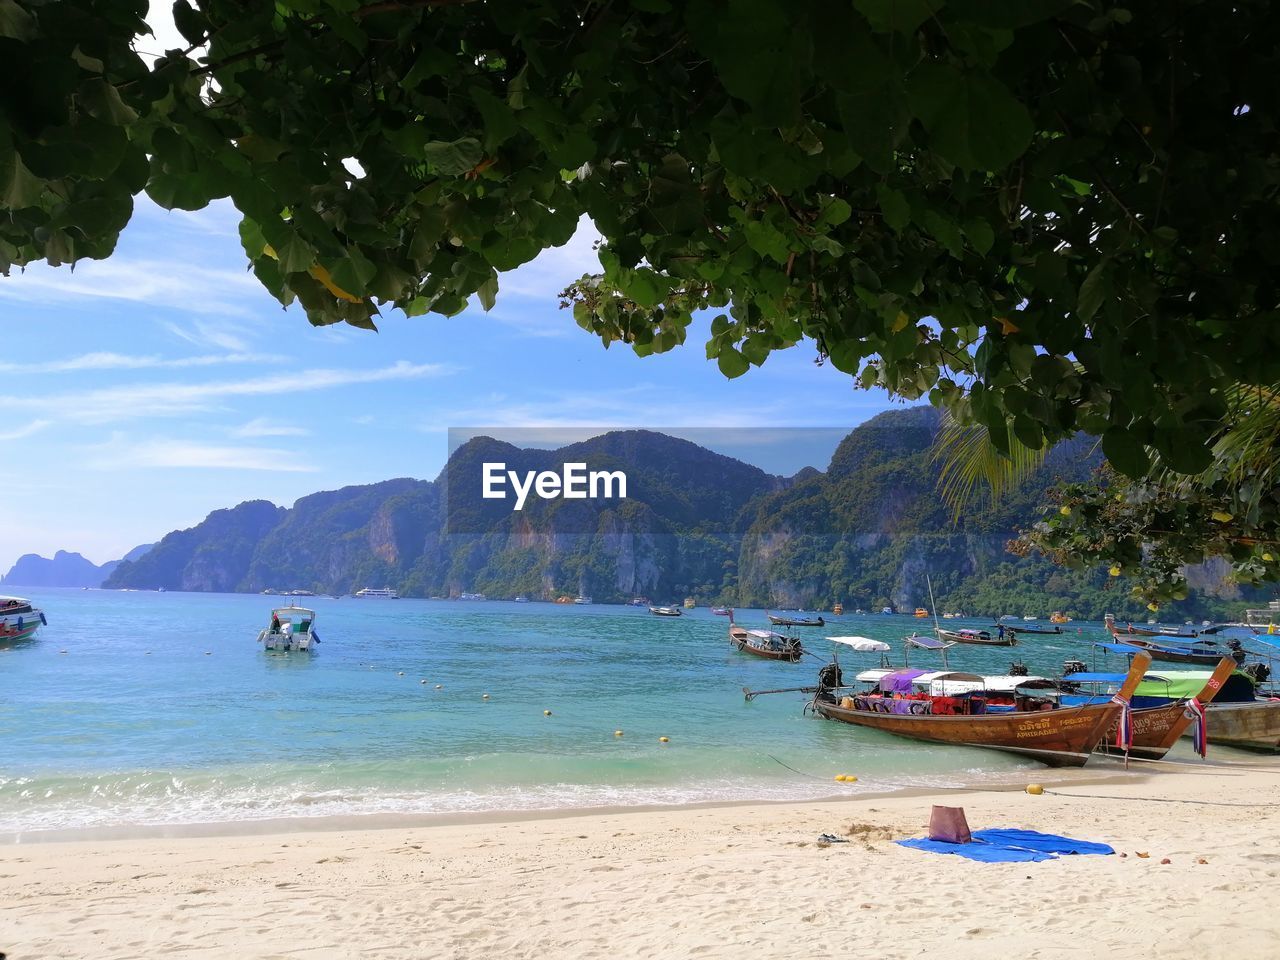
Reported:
(134, 708)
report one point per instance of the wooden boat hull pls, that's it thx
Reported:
(1058, 738)
(1050, 633)
(1248, 726)
(1155, 731)
(1009, 639)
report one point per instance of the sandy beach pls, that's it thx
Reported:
(732, 881)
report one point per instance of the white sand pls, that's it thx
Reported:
(739, 881)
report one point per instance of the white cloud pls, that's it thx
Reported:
(120, 361)
(262, 427)
(167, 399)
(187, 454)
(193, 289)
(216, 333)
(35, 426)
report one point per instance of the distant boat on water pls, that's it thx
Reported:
(19, 620)
(582, 601)
(722, 611)
(373, 593)
(522, 599)
(666, 611)
(292, 630)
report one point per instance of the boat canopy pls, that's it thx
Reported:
(1089, 677)
(929, 643)
(1125, 648)
(766, 634)
(862, 644)
(283, 612)
(1008, 683)
(945, 683)
(899, 681)
(874, 675)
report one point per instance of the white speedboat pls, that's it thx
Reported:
(582, 601)
(292, 629)
(19, 620)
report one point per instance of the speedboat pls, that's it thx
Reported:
(292, 629)
(19, 620)
(582, 600)
(666, 611)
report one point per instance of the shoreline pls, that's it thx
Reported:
(1108, 771)
(709, 881)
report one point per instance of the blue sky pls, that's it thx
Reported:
(141, 392)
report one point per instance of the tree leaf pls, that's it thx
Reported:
(19, 188)
(1094, 290)
(898, 16)
(455, 157)
(488, 292)
(973, 120)
(894, 207)
(732, 363)
(1125, 452)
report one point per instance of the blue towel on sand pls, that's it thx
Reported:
(1010, 846)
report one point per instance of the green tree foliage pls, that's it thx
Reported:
(1046, 216)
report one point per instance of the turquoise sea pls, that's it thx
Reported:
(160, 708)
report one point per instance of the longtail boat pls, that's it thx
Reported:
(765, 643)
(1053, 632)
(1236, 717)
(978, 637)
(796, 622)
(1056, 735)
(1206, 652)
(1162, 711)
(1130, 630)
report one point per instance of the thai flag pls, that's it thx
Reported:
(1200, 727)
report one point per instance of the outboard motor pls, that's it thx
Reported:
(1257, 672)
(1018, 669)
(830, 676)
(1073, 666)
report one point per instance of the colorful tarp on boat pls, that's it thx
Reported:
(1010, 846)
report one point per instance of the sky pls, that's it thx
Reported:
(139, 393)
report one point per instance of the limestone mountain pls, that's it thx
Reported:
(64, 569)
(864, 532)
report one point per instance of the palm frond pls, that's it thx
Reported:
(970, 465)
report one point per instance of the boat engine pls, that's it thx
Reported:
(830, 676)
(1238, 654)
(1073, 666)
(1018, 669)
(1257, 672)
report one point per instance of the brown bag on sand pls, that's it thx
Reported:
(949, 825)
